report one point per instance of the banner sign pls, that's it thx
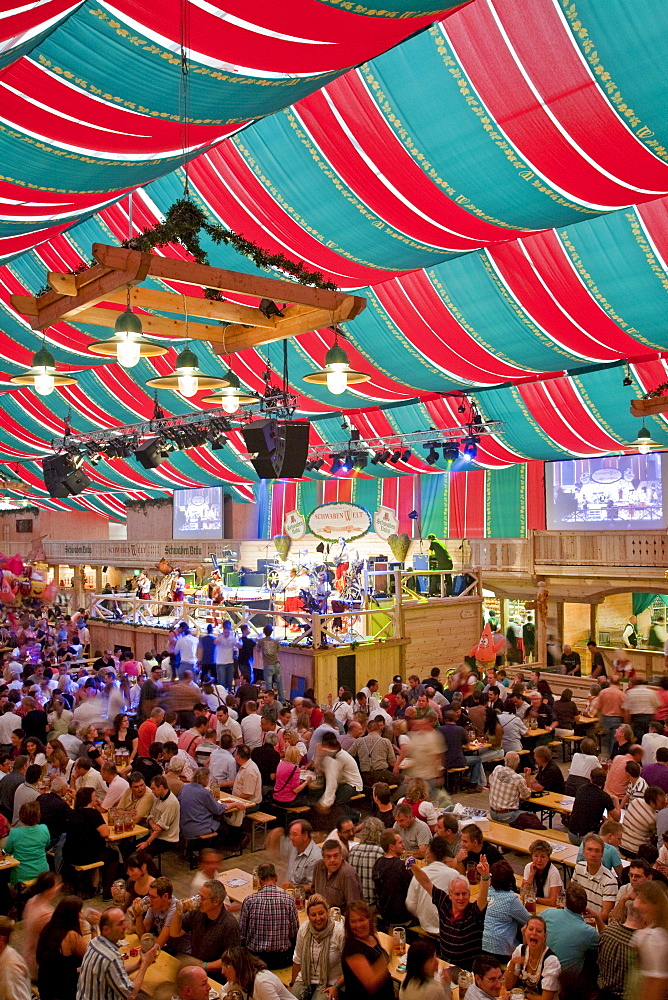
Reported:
(385, 523)
(340, 519)
(295, 525)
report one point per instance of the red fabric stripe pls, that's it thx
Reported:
(489, 65)
(535, 496)
(562, 416)
(654, 215)
(467, 504)
(541, 41)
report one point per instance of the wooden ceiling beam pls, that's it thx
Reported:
(227, 281)
(239, 338)
(649, 407)
(231, 312)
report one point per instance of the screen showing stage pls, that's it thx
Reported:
(620, 493)
(198, 513)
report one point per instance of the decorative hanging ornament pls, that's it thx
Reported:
(232, 396)
(336, 374)
(187, 378)
(42, 375)
(644, 442)
(127, 345)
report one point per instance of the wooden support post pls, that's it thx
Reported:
(593, 622)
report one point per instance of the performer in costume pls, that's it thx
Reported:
(439, 558)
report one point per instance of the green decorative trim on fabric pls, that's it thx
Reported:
(491, 128)
(461, 319)
(596, 293)
(539, 430)
(499, 435)
(421, 158)
(505, 499)
(607, 85)
(517, 308)
(641, 239)
(375, 220)
(280, 200)
(586, 398)
(398, 335)
(358, 8)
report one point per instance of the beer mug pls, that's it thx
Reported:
(191, 903)
(118, 890)
(300, 897)
(147, 942)
(399, 939)
(335, 913)
(465, 980)
(516, 994)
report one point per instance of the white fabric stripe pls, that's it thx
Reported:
(70, 118)
(256, 29)
(542, 388)
(553, 118)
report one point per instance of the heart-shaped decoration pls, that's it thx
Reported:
(282, 543)
(399, 544)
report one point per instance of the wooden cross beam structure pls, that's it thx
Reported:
(649, 407)
(77, 297)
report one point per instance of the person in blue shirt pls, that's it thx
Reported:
(611, 834)
(504, 915)
(200, 813)
(569, 937)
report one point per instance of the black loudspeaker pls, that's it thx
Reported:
(261, 436)
(152, 453)
(281, 448)
(61, 476)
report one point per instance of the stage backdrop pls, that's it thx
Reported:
(498, 503)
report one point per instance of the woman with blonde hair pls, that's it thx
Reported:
(289, 784)
(57, 761)
(533, 966)
(651, 943)
(88, 734)
(316, 966)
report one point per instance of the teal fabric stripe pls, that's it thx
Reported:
(505, 500)
(434, 505)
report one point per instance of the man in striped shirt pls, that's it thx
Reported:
(598, 882)
(103, 975)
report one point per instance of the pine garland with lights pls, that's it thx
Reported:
(183, 224)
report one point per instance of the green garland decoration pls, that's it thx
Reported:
(145, 505)
(183, 223)
(658, 391)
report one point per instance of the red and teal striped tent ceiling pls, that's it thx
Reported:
(492, 176)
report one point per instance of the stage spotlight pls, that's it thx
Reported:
(359, 461)
(470, 448)
(396, 455)
(216, 439)
(413, 516)
(317, 464)
(450, 454)
(269, 309)
(384, 456)
(377, 458)
(337, 463)
(406, 454)
(432, 457)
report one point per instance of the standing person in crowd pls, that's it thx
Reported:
(456, 738)
(270, 649)
(316, 963)
(391, 880)
(534, 967)
(364, 855)
(591, 802)
(651, 942)
(639, 705)
(269, 921)
(226, 647)
(568, 935)
(342, 776)
(365, 965)
(60, 948)
(14, 976)
(36, 915)
(608, 705)
(461, 921)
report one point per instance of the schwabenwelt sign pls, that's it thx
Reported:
(339, 520)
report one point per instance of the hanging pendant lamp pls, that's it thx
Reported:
(644, 442)
(42, 375)
(232, 396)
(128, 344)
(187, 378)
(336, 374)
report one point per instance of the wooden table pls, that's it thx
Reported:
(164, 970)
(233, 801)
(521, 840)
(8, 862)
(477, 746)
(550, 803)
(237, 893)
(136, 831)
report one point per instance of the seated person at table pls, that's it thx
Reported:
(421, 967)
(460, 921)
(336, 879)
(161, 913)
(289, 785)
(299, 850)
(639, 823)
(417, 797)
(591, 802)
(637, 785)
(566, 712)
(447, 827)
(456, 738)
(27, 844)
(534, 967)
(210, 927)
(382, 804)
(391, 880)
(568, 935)
(84, 775)
(268, 922)
(507, 788)
(198, 810)
(582, 764)
(141, 872)
(598, 882)
(487, 979)
(548, 777)
(316, 963)
(163, 819)
(137, 798)
(116, 785)
(472, 849)
(639, 871)
(85, 839)
(504, 915)
(414, 833)
(611, 834)
(657, 773)
(542, 874)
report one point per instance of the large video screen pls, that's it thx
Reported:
(622, 492)
(198, 513)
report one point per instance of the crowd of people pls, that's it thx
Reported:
(86, 738)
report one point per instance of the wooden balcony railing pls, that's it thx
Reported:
(600, 551)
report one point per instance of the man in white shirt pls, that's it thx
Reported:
(84, 775)
(186, 647)
(224, 724)
(251, 726)
(9, 721)
(651, 742)
(222, 765)
(248, 782)
(370, 690)
(342, 776)
(165, 731)
(225, 646)
(418, 901)
(116, 786)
